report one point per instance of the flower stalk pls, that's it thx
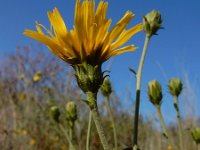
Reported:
(164, 128)
(138, 86)
(71, 146)
(112, 122)
(180, 132)
(91, 97)
(89, 131)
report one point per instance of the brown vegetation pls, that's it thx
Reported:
(24, 109)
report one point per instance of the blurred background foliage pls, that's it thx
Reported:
(31, 81)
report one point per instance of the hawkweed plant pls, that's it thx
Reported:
(106, 90)
(175, 88)
(87, 46)
(152, 22)
(155, 96)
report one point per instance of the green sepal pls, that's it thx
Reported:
(88, 103)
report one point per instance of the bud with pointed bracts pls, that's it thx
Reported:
(155, 92)
(106, 87)
(196, 135)
(152, 22)
(89, 77)
(71, 111)
(71, 114)
(55, 113)
(175, 86)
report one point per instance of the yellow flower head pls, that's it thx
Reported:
(32, 141)
(37, 76)
(90, 40)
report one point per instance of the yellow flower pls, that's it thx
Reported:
(37, 76)
(169, 147)
(32, 141)
(90, 40)
(22, 132)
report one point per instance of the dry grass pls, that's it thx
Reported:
(24, 109)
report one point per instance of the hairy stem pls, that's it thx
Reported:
(89, 132)
(138, 86)
(91, 97)
(112, 122)
(176, 106)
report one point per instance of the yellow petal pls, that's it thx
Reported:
(39, 28)
(125, 36)
(60, 21)
(56, 49)
(59, 26)
(118, 28)
(101, 12)
(128, 48)
(102, 33)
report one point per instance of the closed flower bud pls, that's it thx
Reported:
(155, 92)
(22, 77)
(196, 135)
(152, 22)
(106, 88)
(71, 111)
(175, 86)
(55, 113)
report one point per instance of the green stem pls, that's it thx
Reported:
(112, 122)
(67, 136)
(91, 97)
(89, 132)
(164, 128)
(138, 86)
(176, 106)
(71, 137)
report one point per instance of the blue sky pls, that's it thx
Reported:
(174, 52)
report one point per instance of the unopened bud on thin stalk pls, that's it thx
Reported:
(155, 92)
(152, 22)
(175, 86)
(55, 113)
(196, 135)
(106, 88)
(71, 111)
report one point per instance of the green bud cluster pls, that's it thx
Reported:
(55, 113)
(71, 112)
(89, 77)
(152, 22)
(175, 86)
(196, 135)
(155, 92)
(106, 87)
